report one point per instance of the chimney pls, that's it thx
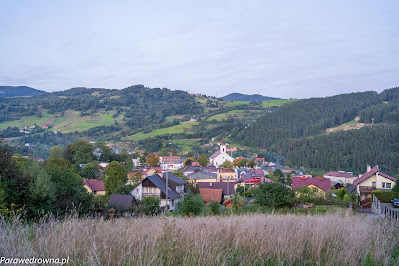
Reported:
(368, 168)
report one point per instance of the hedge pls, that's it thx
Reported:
(385, 196)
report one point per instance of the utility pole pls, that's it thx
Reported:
(167, 188)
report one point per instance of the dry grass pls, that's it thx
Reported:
(332, 239)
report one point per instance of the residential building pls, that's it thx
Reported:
(372, 180)
(94, 186)
(202, 176)
(220, 156)
(172, 165)
(169, 159)
(226, 175)
(340, 177)
(317, 184)
(121, 202)
(155, 186)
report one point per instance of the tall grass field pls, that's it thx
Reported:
(339, 238)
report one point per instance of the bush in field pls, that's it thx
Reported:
(341, 193)
(192, 205)
(214, 207)
(149, 205)
(274, 195)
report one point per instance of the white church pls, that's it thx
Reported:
(220, 156)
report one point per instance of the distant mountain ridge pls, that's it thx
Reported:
(18, 91)
(247, 97)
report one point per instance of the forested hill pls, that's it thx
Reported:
(298, 131)
(249, 98)
(18, 91)
(140, 105)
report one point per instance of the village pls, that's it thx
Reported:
(222, 179)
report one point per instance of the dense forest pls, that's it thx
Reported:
(297, 131)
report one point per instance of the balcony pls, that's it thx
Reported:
(154, 195)
(368, 189)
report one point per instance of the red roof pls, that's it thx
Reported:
(339, 174)
(252, 180)
(373, 171)
(260, 159)
(209, 194)
(322, 183)
(94, 184)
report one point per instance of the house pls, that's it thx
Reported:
(226, 175)
(227, 187)
(202, 176)
(155, 186)
(121, 202)
(169, 159)
(172, 165)
(372, 180)
(317, 184)
(220, 156)
(211, 194)
(340, 177)
(94, 186)
(192, 169)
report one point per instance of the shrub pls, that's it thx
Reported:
(274, 195)
(149, 205)
(192, 205)
(214, 207)
(385, 196)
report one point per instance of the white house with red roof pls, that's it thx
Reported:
(220, 156)
(372, 180)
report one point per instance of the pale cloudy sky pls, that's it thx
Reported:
(285, 49)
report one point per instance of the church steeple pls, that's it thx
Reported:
(223, 146)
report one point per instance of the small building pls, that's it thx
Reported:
(211, 194)
(227, 187)
(169, 159)
(226, 175)
(121, 203)
(94, 186)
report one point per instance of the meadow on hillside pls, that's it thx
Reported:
(339, 238)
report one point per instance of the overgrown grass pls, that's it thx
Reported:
(271, 103)
(256, 239)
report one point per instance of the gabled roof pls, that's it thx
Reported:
(373, 171)
(215, 154)
(94, 184)
(339, 174)
(175, 179)
(121, 202)
(209, 194)
(322, 183)
(161, 184)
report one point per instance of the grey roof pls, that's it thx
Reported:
(201, 175)
(215, 154)
(228, 187)
(173, 178)
(120, 202)
(161, 184)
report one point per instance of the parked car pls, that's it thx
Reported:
(395, 202)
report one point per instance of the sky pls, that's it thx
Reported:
(285, 49)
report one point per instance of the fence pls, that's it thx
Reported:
(384, 211)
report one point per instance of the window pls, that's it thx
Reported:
(373, 184)
(386, 185)
(315, 189)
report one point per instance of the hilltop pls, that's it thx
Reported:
(18, 91)
(247, 97)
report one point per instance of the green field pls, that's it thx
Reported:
(271, 103)
(71, 121)
(180, 128)
(237, 103)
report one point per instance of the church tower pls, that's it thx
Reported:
(223, 147)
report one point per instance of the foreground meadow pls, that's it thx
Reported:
(339, 238)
